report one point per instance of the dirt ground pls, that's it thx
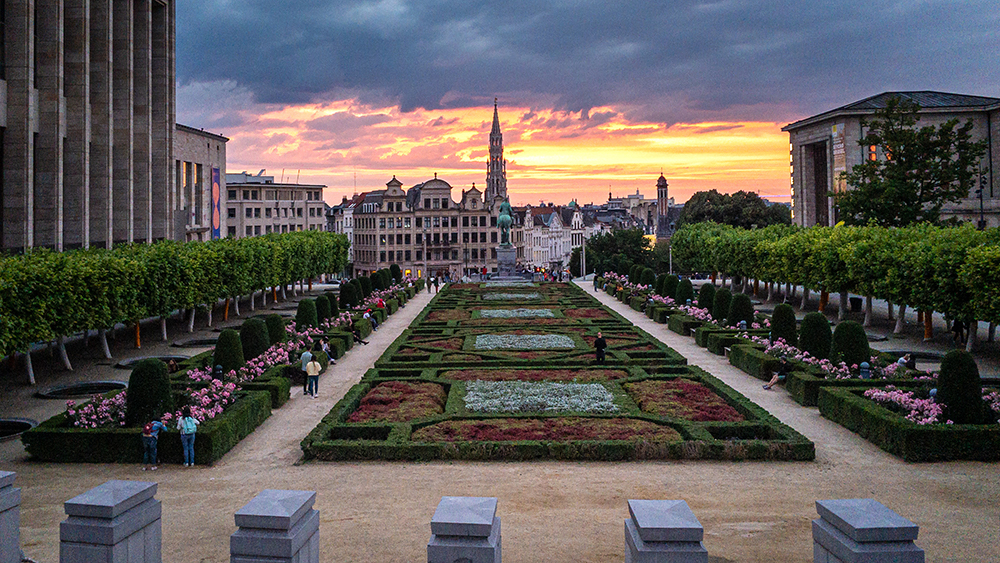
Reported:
(551, 511)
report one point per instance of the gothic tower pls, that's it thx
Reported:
(496, 166)
(662, 199)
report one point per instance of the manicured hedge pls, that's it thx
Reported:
(908, 440)
(753, 360)
(804, 386)
(683, 324)
(55, 441)
(718, 341)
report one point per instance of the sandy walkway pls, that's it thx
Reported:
(552, 512)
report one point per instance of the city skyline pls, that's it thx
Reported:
(593, 98)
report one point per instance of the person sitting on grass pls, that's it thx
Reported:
(783, 370)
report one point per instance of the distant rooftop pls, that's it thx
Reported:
(927, 99)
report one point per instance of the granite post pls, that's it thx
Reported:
(277, 527)
(116, 521)
(663, 531)
(10, 519)
(466, 530)
(863, 531)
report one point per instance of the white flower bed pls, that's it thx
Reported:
(523, 341)
(522, 396)
(510, 296)
(515, 313)
(524, 283)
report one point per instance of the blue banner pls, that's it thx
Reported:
(216, 204)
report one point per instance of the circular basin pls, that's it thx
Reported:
(130, 363)
(11, 428)
(80, 389)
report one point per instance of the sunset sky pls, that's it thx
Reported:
(594, 96)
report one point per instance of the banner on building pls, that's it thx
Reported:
(216, 203)
(839, 157)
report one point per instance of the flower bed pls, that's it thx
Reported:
(546, 429)
(515, 313)
(511, 296)
(586, 313)
(523, 342)
(682, 398)
(586, 375)
(400, 401)
(494, 397)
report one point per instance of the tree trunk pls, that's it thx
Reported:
(29, 367)
(928, 326)
(900, 320)
(723, 280)
(62, 353)
(274, 294)
(713, 277)
(295, 292)
(845, 304)
(920, 317)
(756, 287)
(805, 298)
(138, 336)
(225, 314)
(102, 335)
(263, 298)
(745, 285)
(191, 320)
(892, 317)
(163, 328)
(824, 298)
(253, 295)
(284, 295)
(210, 315)
(972, 343)
(788, 293)
(310, 285)
(236, 305)
(770, 291)
(868, 311)
(991, 333)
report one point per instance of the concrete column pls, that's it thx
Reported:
(277, 527)
(162, 122)
(76, 185)
(48, 151)
(465, 529)
(142, 121)
(114, 522)
(663, 531)
(862, 531)
(21, 97)
(101, 138)
(122, 61)
(10, 519)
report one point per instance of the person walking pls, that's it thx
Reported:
(600, 345)
(304, 360)
(435, 284)
(150, 437)
(188, 425)
(312, 377)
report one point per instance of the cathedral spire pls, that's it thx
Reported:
(496, 166)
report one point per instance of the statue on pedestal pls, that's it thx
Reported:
(504, 222)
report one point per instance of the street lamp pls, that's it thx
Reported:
(981, 193)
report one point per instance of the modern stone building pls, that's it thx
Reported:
(199, 184)
(87, 116)
(256, 205)
(825, 145)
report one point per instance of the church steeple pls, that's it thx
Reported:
(496, 166)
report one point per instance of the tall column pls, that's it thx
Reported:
(162, 119)
(10, 519)
(18, 194)
(101, 196)
(116, 521)
(48, 152)
(122, 60)
(76, 187)
(142, 120)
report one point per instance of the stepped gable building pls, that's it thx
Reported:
(824, 145)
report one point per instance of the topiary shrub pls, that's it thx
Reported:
(648, 277)
(740, 310)
(322, 308)
(348, 296)
(331, 298)
(815, 336)
(783, 324)
(960, 388)
(275, 328)
(721, 304)
(658, 286)
(685, 291)
(228, 351)
(850, 344)
(378, 282)
(254, 338)
(305, 315)
(396, 273)
(670, 287)
(148, 395)
(366, 287)
(706, 296)
(633, 273)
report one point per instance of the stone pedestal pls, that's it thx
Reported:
(10, 519)
(113, 522)
(506, 261)
(863, 531)
(663, 531)
(277, 527)
(465, 529)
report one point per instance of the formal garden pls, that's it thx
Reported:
(918, 415)
(507, 371)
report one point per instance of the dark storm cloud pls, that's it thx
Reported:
(655, 61)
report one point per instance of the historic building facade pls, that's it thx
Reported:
(86, 123)
(256, 205)
(825, 145)
(199, 184)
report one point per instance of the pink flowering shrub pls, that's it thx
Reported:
(98, 413)
(697, 313)
(921, 411)
(992, 398)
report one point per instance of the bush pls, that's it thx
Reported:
(322, 308)
(721, 304)
(331, 298)
(366, 286)
(960, 389)
(648, 277)
(348, 296)
(255, 338)
(305, 315)
(275, 328)
(740, 310)
(670, 287)
(148, 393)
(397, 273)
(850, 344)
(658, 286)
(685, 291)
(706, 296)
(783, 324)
(815, 336)
(228, 351)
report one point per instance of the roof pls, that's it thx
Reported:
(202, 132)
(927, 99)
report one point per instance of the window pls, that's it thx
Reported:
(249, 230)
(474, 204)
(465, 221)
(475, 221)
(284, 228)
(454, 222)
(454, 237)
(381, 256)
(475, 237)
(419, 221)
(437, 221)
(231, 194)
(465, 237)
(246, 194)
(407, 255)
(248, 212)
(482, 220)
(399, 206)
(475, 254)
(381, 239)
(254, 194)
(312, 212)
(437, 203)
(399, 239)
(427, 203)
(399, 256)
(444, 203)
(381, 222)
(267, 212)
(454, 254)
(285, 210)
(267, 229)
(406, 222)
(493, 221)
(231, 231)
(231, 213)
(406, 238)
(399, 222)
(256, 212)
(493, 237)
(420, 254)
(298, 212)
(256, 230)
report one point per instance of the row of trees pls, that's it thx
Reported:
(46, 295)
(950, 270)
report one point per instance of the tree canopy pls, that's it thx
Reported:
(618, 251)
(741, 209)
